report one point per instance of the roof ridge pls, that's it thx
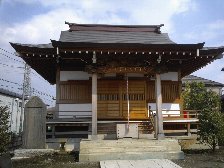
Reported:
(114, 28)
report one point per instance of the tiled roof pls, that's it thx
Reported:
(10, 93)
(76, 44)
(35, 45)
(115, 37)
(207, 82)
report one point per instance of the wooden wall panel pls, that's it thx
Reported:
(108, 99)
(75, 92)
(170, 91)
(112, 97)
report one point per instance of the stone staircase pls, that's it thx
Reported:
(129, 149)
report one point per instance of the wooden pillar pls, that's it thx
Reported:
(158, 90)
(56, 115)
(188, 126)
(94, 106)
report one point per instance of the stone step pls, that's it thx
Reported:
(129, 149)
(124, 149)
(129, 156)
(170, 144)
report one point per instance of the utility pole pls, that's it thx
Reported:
(26, 92)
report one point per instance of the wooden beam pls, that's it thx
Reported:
(158, 90)
(144, 70)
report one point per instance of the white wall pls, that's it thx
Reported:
(166, 107)
(14, 109)
(73, 75)
(75, 110)
(215, 89)
(170, 76)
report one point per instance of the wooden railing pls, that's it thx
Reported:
(182, 122)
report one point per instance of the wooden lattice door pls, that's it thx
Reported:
(112, 99)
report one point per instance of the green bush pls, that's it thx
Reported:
(4, 129)
(194, 96)
(211, 128)
(211, 120)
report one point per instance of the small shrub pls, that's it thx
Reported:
(4, 129)
(211, 128)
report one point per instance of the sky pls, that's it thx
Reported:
(38, 21)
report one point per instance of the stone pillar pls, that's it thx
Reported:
(94, 106)
(34, 135)
(158, 91)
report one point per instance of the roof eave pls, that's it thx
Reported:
(130, 46)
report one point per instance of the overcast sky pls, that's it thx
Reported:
(38, 21)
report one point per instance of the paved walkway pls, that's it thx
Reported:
(149, 163)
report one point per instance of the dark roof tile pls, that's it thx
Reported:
(35, 45)
(115, 37)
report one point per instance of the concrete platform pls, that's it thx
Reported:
(129, 149)
(149, 163)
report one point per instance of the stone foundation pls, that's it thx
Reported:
(129, 149)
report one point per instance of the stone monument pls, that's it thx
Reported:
(34, 130)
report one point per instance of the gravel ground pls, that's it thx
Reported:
(202, 159)
(193, 159)
(63, 160)
(33, 152)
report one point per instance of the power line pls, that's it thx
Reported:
(26, 84)
(6, 86)
(11, 66)
(42, 93)
(50, 100)
(11, 58)
(10, 71)
(10, 82)
(38, 76)
(33, 89)
(34, 93)
(9, 52)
